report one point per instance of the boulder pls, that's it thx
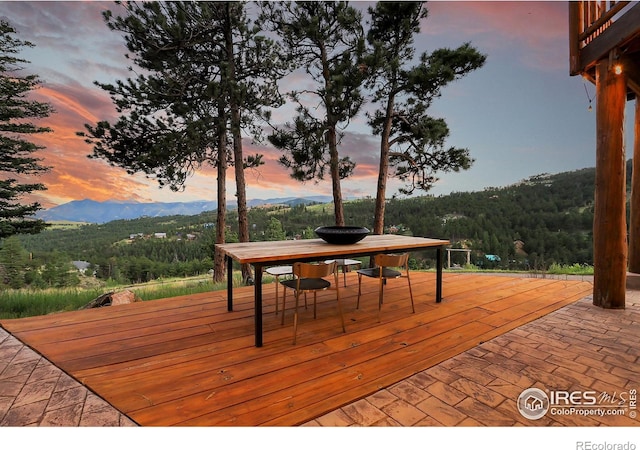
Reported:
(113, 299)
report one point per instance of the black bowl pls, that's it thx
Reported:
(341, 235)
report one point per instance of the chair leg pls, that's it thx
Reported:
(380, 296)
(284, 299)
(359, 290)
(344, 330)
(413, 308)
(277, 283)
(314, 304)
(295, 318)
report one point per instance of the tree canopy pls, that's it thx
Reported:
(18, 116)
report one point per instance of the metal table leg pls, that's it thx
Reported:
(257, 289)
(439, 275)
(229, 283)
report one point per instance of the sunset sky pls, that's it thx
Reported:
(520, 115)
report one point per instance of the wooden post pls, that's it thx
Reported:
(609, 224)
(634, 221)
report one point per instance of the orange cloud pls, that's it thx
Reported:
(67, 105)
(72, 174)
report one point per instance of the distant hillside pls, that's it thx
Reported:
(102, 212)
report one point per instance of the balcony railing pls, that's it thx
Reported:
(597, 16)
(597, 27)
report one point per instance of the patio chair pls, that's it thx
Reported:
(345, 265)
(385, 266)
(277, 272)
(310, 278)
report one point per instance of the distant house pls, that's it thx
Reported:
(81, 266)
(160, 235)
(519, 247)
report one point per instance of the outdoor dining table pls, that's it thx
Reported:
(269, 253)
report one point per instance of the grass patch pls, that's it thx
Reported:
(176, 288)
(15, 304)
(65, 225)
(573, 269)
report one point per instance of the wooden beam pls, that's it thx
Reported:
(574, 43)
(609, 225)
(634, 220)
(622, 31)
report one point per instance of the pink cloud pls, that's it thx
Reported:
(535, 33)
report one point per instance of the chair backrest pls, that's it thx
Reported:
(308, 270)
(388, 260)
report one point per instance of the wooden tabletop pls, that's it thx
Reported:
(279, 251)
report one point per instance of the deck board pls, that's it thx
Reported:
(187, 361)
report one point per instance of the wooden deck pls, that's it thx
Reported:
(186, 361)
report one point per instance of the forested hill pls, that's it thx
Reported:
(542, 220)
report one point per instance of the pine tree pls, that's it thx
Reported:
(17, 160)
(411, 141)
(327, 39)
(13, 262)
(207, 74)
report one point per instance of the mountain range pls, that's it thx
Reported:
(102, 212)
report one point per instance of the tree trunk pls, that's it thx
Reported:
(219, 263)
(338, 207)
(634, 225)
(241, 189)
(383, 172)
(609, 227)
(332, 142)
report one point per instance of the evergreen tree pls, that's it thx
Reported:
(274, 231)
(327, 39)
(13, 261)
(17, 161)
(207, 75)
(411, 141)
(59, 272)
(252, 66)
